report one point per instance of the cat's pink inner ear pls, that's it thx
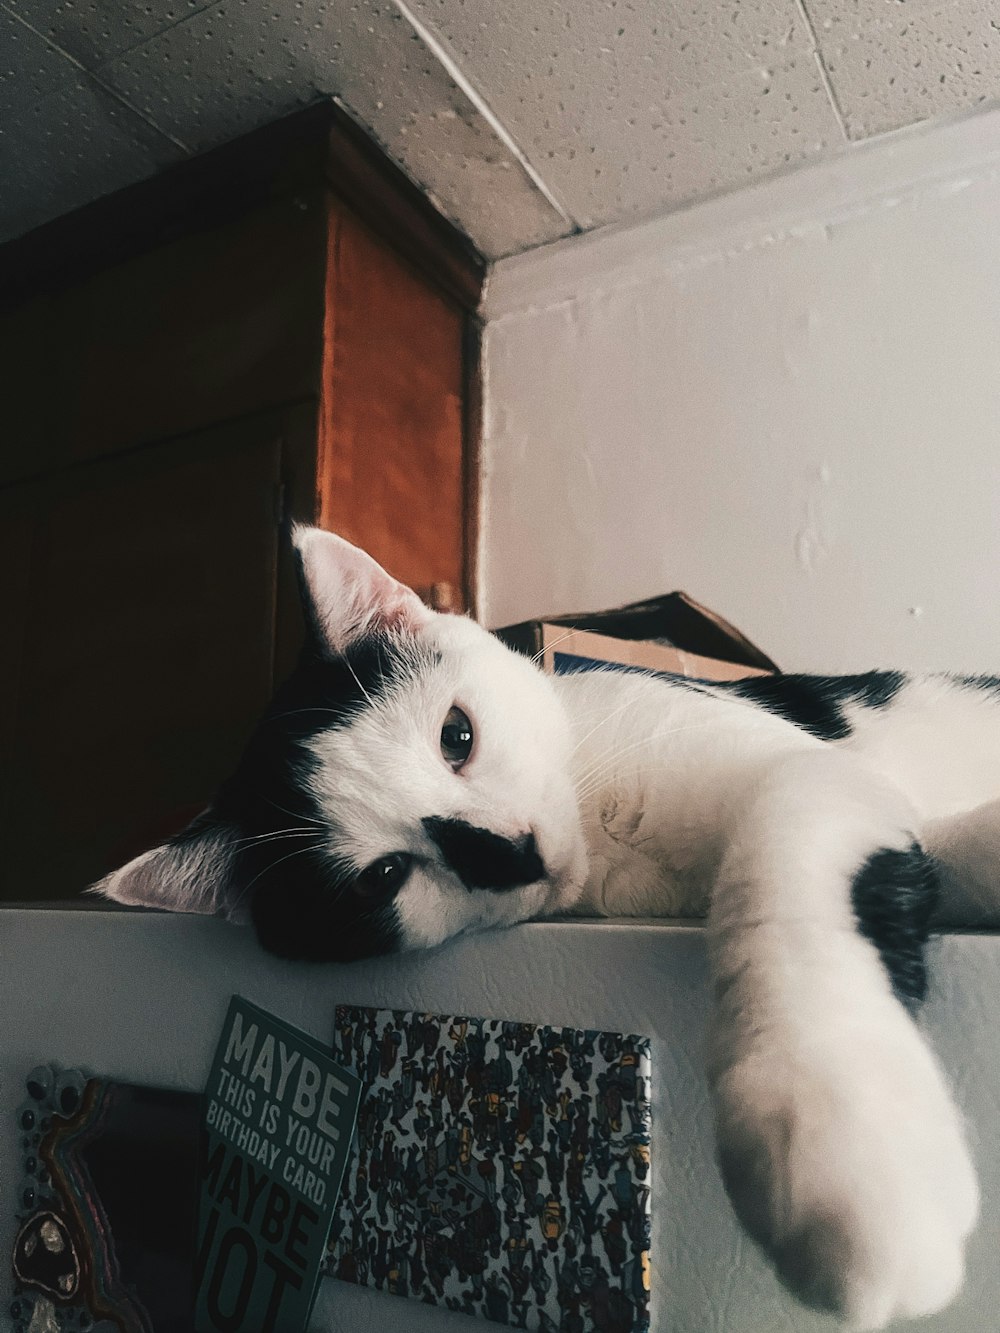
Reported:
(350, 594)
(189, 876)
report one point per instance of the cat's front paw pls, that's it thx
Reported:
(849, 1166)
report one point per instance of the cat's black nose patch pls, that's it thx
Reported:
(485, 860)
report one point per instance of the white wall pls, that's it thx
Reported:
(785, 402)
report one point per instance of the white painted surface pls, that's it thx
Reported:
(892, 64)
(142, 996)
(786, 403)
(630, 110)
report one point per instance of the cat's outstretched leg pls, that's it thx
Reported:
(966, 850)
(839, 1143)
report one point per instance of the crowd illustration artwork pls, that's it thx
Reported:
(499, 1169)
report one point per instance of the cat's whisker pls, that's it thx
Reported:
(318, 823)
(588, 782)
(555, 642)
(274, 836)
(299, 851)
(606, 761)
(297, 712)
(357, 681)
(271, 837)
(616, 712)
(629, 703)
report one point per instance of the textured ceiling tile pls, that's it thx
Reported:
(223, 72)
(93, 31)
(30, 67)
(624, 109)
(896, 72)
(469, 173)
(443, 141)
(707, 142)
(72, 147)
(241, 64)
(843, 17)
(574, 49)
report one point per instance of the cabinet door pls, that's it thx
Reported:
(147, 650)
(225, 322)
(391, 468)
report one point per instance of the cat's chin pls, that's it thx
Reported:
(427, 917)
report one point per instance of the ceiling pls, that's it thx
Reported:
(524, 120)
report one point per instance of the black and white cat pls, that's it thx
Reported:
(415, 779)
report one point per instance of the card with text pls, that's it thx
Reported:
(279, 1122)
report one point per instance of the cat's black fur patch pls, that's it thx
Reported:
(307, 911)
(484, 860)
(894, 895)
(299, 898)
(815, 703)
(320, 695)
(988, 684)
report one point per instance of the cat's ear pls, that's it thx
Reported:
(193, 872)
(347, 595)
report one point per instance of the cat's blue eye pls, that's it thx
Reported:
(379, 881)
(456, 738)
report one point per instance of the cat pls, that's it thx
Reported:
(415, 779)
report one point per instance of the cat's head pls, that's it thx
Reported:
(410, 781)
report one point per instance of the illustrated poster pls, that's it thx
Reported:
(500, 1169)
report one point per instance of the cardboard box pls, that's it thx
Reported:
(673, 634)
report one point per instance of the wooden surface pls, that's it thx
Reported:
(395, 209)
(166, 416)
(213, 326)
(390, 472)
(16, 532)
(472, 437)
(147, 647)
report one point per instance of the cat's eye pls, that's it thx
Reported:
(379, 881)
(456, 738)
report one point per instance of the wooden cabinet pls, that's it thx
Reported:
(286, 334)
(390, 467)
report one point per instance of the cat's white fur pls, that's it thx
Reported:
(841, 1146)
(518, 780)
(844, 1153)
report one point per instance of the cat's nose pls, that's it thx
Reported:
(483, 859)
